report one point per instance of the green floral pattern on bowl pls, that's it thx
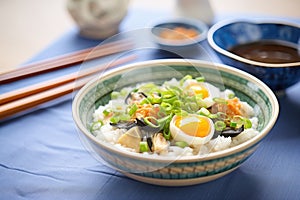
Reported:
(182, 171)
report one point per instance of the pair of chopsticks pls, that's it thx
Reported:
(29, 97)
(65, 60)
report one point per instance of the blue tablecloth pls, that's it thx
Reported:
(42, 157)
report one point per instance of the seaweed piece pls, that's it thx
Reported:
(124, 124)
(231, 132)
(150, 143)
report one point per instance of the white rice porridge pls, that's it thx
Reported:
(184, 117)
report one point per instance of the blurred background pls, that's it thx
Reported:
(27, 27)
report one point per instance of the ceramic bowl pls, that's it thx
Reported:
(168, 27)
(97, 19)
(228, 33)
(183, 170)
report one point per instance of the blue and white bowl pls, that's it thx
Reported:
(165, 170)
(228, 33)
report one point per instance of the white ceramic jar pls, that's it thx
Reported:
(98, 19)
(198, 9)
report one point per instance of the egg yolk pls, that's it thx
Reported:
(198, 89)
(195, 128)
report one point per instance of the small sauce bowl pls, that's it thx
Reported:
(227, 34)
(180, 32)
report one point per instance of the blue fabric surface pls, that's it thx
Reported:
(42, 157)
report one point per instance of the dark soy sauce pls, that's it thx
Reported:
(274, 52)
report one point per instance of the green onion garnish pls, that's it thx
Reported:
(221, 115)
(166, 106)
(247, 123)
(154, 100)
(161, 122)
(203, 111)
(220, 125)
(177, 104)
(213, 116)
(145, 101)
(133, 108)
(96, 125)
(231, 96)
(233, 124)
(170, 100)
(167, 133)
(181, 113)
(219, 100)
(114, 119)
(106, 112)
(239, 120)
(114, 95)
(184, 79)
(181, 144)
(144, 146)
(200, 79)
(148, 122)
(124, 117)
(191, 107)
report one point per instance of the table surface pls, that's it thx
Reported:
(42, 156)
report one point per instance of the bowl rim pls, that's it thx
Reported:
(195, 158)
(200, 25)
(258, 21)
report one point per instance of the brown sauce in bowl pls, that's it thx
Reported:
(274, 52)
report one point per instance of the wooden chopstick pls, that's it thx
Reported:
(66, 60)
(46, 85)
(34, 96)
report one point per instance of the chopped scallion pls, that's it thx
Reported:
(219, 100)
(200, 79)
(114, 119)
(233, 124)
(221, 115)
(220, 125)
(145, 101)
(239, 120)
(143, 146)
(154, 100)
(166, 106)
(192, 106)
(133, 108)
(96, 125)
(181, 144)
(231, 96)
(177, 104)
(212, 116)
(204, 111)
(170, 100)
(167, 133)
(114, 95)
(124, 117)
(184, 79)
(161, 122)
(247, 123)
(148, 122)
(181, 113)
(106, 112)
